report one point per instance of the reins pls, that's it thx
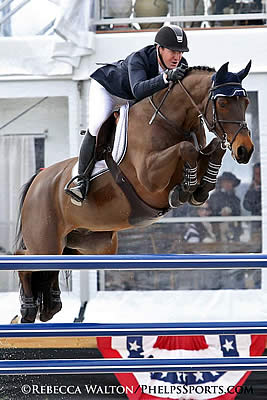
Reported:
(157, 108)
(225, 144)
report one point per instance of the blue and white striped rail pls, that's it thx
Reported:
(73, 366)
(133, 329)
(141, 262)
(159, 262)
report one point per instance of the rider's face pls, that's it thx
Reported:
(171, 58)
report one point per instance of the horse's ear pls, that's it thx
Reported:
(244, 72)
(220, 74)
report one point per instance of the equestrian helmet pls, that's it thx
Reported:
(172, 37)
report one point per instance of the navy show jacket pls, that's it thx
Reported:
(134, 78)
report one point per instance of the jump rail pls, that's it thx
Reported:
(160, 262)
(73, 366)
(133, 329)
(141, 262)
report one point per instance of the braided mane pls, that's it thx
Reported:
(200, 68)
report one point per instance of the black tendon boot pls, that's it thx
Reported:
(85, 168)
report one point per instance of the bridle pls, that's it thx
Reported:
(225, 144)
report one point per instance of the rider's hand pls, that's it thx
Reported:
(176, 74)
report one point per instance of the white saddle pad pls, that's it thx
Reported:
(119, 148)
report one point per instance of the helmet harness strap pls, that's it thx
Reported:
(160, 57)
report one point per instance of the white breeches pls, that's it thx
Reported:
(101, 105)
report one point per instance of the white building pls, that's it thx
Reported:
(45, 98)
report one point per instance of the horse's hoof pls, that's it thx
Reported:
(194, 202)
(177, 197)
(28, 310)
(26, 321)
(28, 315)
(44, 317)
(47, 315)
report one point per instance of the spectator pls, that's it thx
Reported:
(204, 232)
(252, 199)
(248, 7)
(200, 231)
(224, 202)
(252, 202)
(221, 4)
(2, 250)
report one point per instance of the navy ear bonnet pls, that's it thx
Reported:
(227, 83)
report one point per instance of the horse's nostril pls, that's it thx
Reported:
(243, 155)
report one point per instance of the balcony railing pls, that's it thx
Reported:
(101, 20)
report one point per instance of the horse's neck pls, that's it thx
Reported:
(182, 109)
(182, 116)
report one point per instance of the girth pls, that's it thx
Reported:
(141, 212)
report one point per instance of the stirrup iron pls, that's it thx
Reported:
(71, 193)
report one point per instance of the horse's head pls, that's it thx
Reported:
(226, 109)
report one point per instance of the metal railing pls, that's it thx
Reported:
(182, 18)
(98, 20)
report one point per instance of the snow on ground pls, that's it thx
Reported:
(10, 306)
(176, 306)
(154, 306)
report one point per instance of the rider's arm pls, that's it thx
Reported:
(141, 86)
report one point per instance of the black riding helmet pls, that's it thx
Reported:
(172, 37)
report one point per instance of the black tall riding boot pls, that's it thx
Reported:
(85, 168)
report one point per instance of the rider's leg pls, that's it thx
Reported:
(85, 168)
(101, 105)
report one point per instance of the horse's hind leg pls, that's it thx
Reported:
(78, 242)
(36, 286)
(28, 301)
(181, 193)
(51, 301)
(39, 289)
(29, 307)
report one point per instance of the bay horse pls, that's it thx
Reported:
(167, 163)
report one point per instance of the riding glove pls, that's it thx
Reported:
(176, 74)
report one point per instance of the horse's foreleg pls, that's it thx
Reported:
(29, 306)
(209, 166)
(181, 193)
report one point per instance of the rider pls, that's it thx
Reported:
(140, 75)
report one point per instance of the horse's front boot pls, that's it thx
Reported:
(181, 193)
(208, 182)
(189, 183)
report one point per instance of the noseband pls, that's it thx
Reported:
(225, 144)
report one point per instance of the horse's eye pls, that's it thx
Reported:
(222, 103)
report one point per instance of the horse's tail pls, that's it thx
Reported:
(19, 243)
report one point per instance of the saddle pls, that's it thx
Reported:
(141, 212)
(106, 137)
